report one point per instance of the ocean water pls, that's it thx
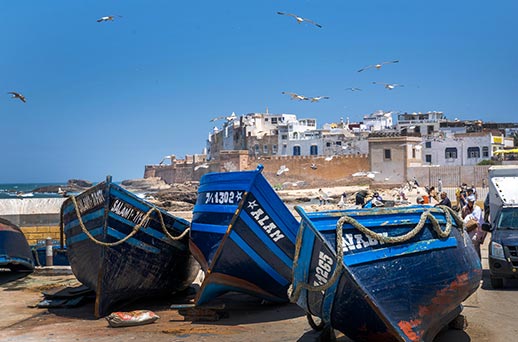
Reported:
(24, 190)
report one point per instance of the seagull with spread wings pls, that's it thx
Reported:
(16, 95)
(295, 96)
(377, 66)
(108, 18)
(353, 89)
(389, 86)
(300, 19)
(318, 98)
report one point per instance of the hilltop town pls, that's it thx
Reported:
(386, 149)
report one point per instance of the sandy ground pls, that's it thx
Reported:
(490, 313)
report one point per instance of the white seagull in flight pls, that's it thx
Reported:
(295, 96)
(300, 19)
(377, 66)
(353, 89)
(108, 18)
(16, 95)
(318, 98)
(389, 86)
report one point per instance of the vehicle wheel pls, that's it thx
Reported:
(497, 283)
(313, 324)
(459, 323)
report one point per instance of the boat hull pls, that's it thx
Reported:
(384, 291)
(15, 252)
(148, 263)
(243, 235)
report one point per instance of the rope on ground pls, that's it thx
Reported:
(136, 228)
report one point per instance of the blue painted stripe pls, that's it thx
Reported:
(147, 230)
(215, 208)
(97, 233)
(258, 260)
(82, 236)
(266, 239)
(86, 218)
(208, 228)
(396, 251)
(130, 199)
(329, 297)
(301, 272)
(133, 241)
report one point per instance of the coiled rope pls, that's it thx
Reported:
(448, 213)
(136, 228)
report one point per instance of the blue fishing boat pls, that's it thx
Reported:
(243, 236)
(125, 248)
(398, 274)
(15, 253)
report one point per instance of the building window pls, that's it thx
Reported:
(328, 144)
(485, 151)
(428, 158)
(296, 150)
(274, 121)
(338, 143)
(256, 149)
(474, 152)
(413, 153)
(274, 149)
(295, 135)
(284, 136)
(430, 129)
(387, 155)
(428, 144)
(265, 149)
(450, 153)
(313, 150)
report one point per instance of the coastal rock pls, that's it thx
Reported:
(179, 197)
(150, 184)
(73, 185)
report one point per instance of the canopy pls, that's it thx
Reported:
(514, 150)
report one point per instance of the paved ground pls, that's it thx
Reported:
(491, 315)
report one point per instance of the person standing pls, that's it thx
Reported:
(472, 216)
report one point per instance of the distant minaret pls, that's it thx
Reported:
(267, 110)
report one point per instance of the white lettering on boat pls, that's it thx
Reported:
(265, 222)
(129, 213)
(90, 200)
(325, 264)
(353, 242)
(223, 197)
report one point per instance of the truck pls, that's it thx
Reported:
(503, 223)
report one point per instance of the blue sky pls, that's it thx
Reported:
(110, 97)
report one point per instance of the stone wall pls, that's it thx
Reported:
(38, 218)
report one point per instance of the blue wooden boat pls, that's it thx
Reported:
(400, 274)
(243, 236)
(125, 248)
(15, 253)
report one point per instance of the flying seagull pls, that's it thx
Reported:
(377, 66)
(204, 165)
(318, 98)
(389, 86)
(108, 18)
(353, 89)
(295, 96)
(282, 169)
(16, 95)
(300, 19)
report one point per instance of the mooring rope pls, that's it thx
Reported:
(136, 228)
(448, 213)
